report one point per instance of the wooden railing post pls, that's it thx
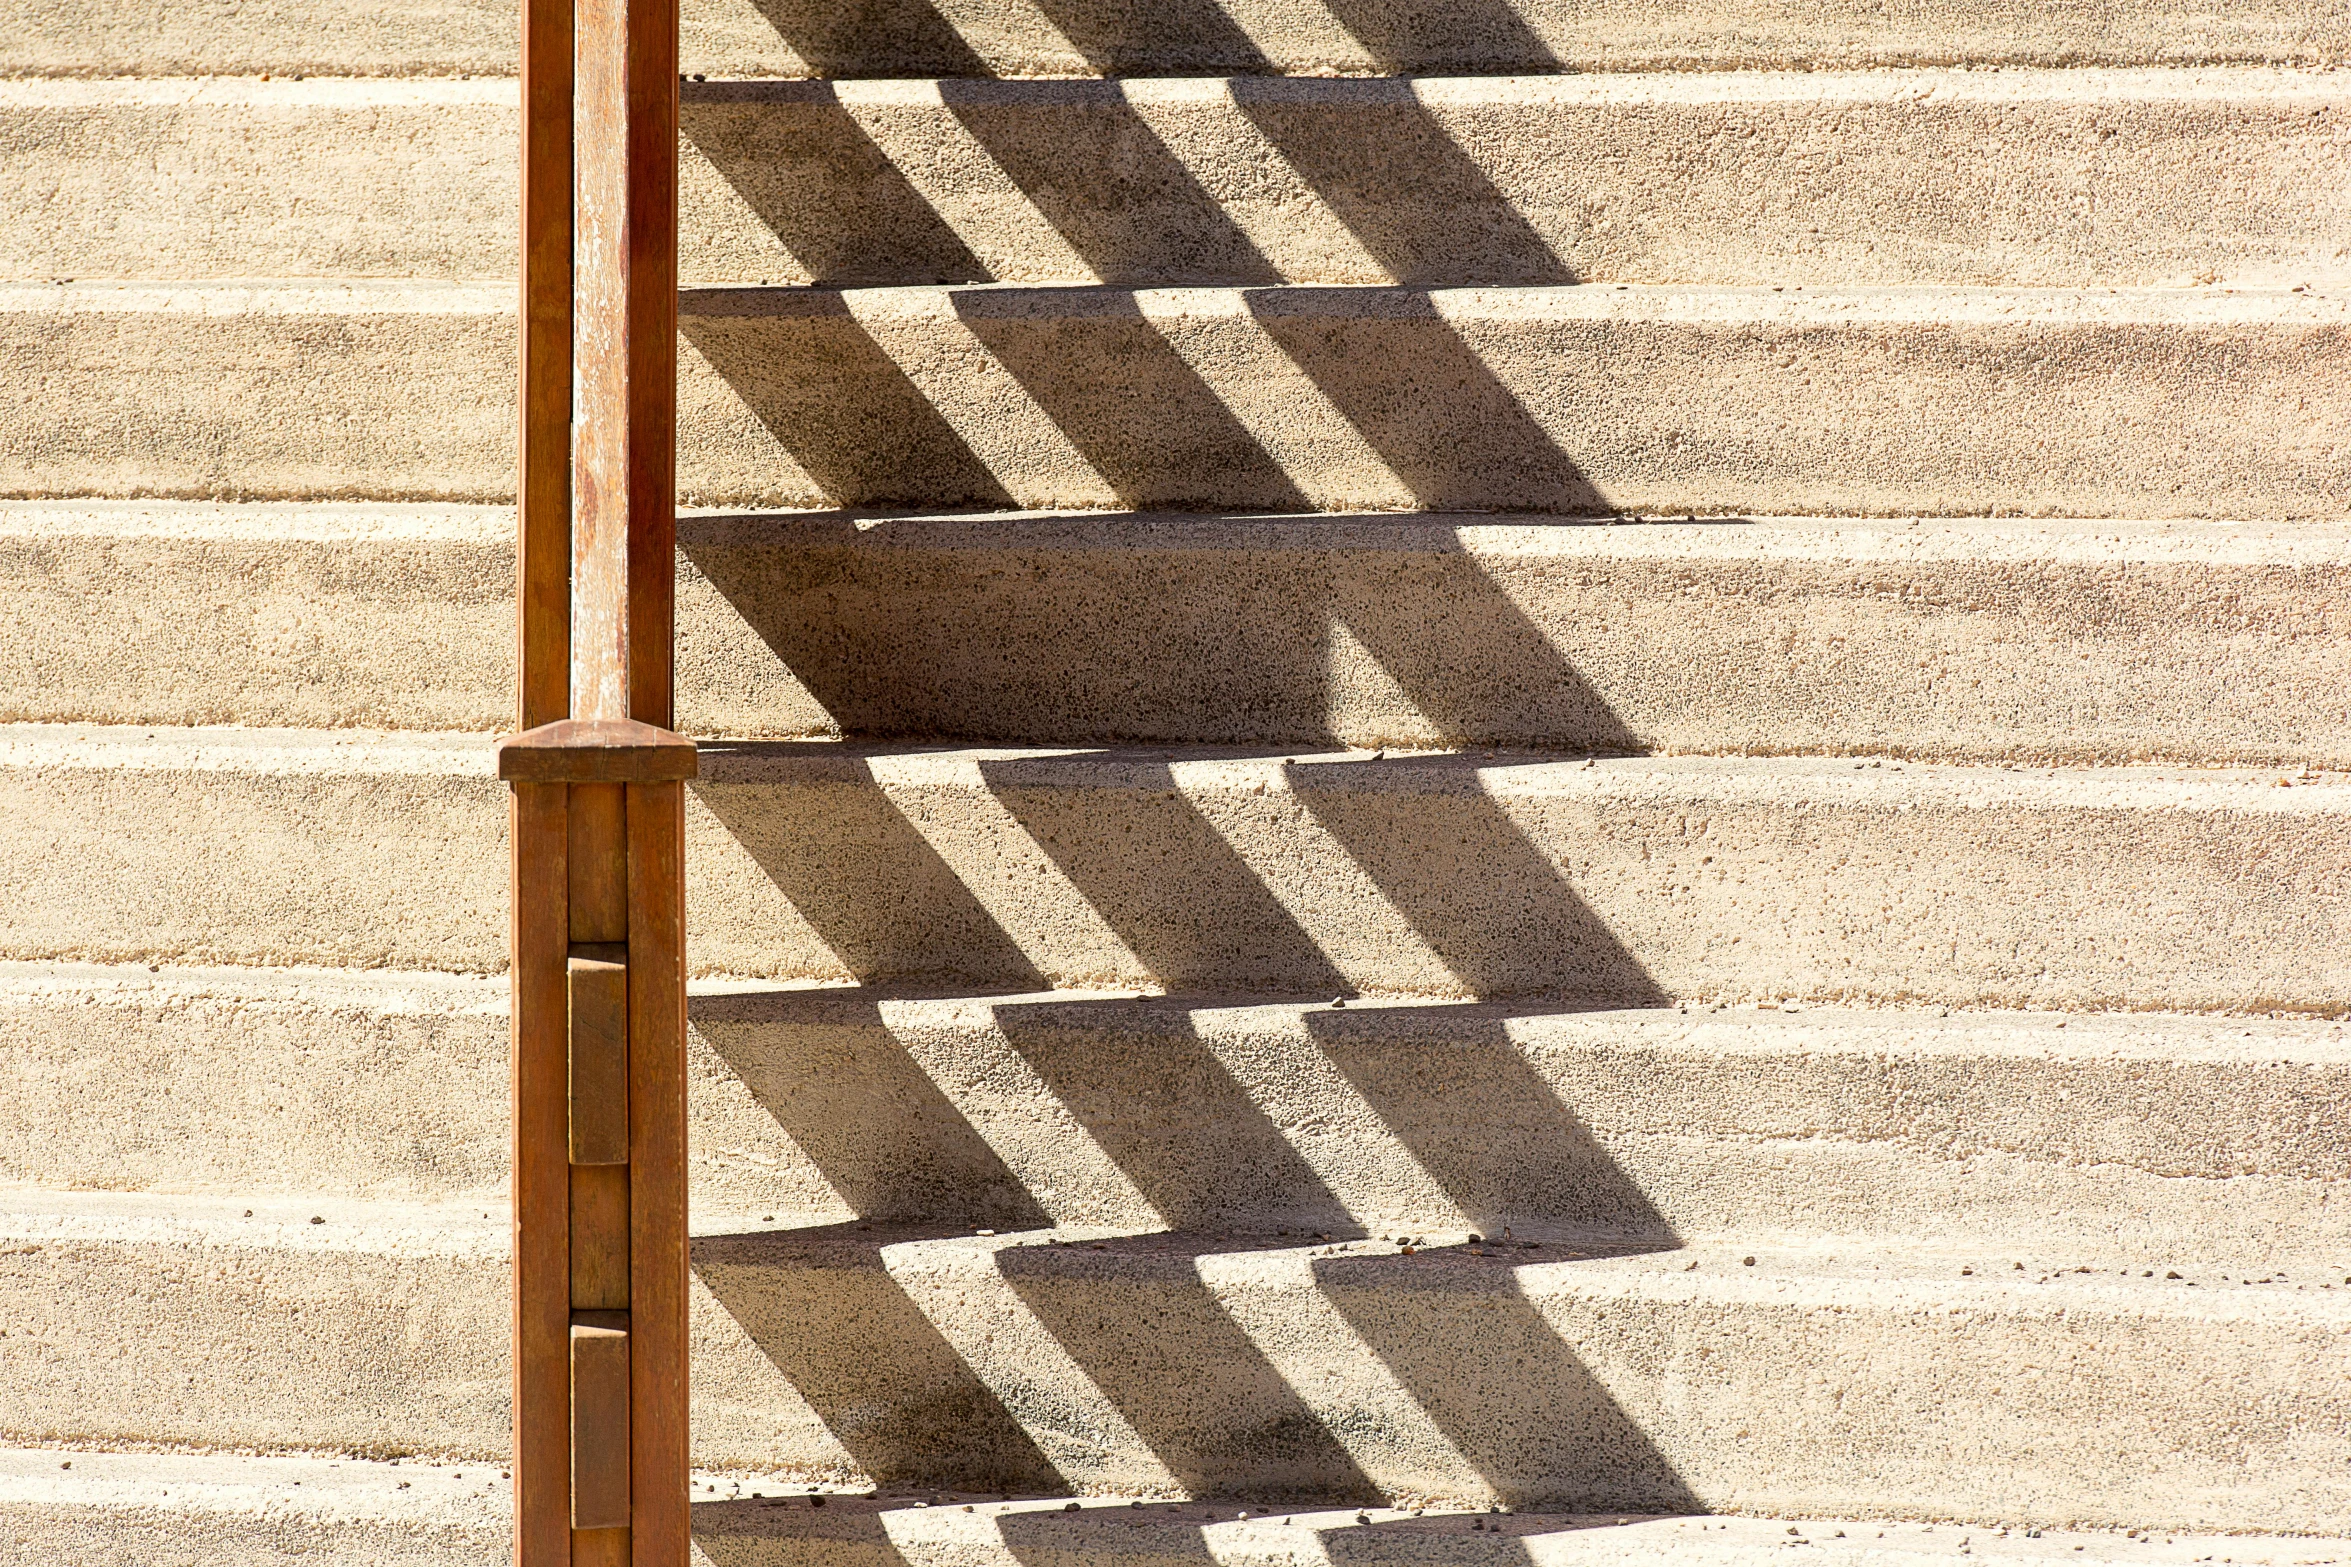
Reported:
(598, 817)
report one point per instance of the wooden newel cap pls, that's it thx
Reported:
(596, 750)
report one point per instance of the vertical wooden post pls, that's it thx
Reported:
(598, 816)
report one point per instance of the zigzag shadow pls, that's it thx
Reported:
(1136, 1315)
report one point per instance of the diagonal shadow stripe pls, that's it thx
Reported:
(1513, 1397)
(833, 398)
(1470, 882)
(1106, 182)
(812, 174)
(883, 1379)
(1162, 877)
(1110, 381)
(886, 38)
(1392, 173)
(1157, 37)
(865, 878)
(1522, 1158)
(1422, 398)
(1457, 38)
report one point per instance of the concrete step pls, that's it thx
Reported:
(1711, 1375)
(1059, 38)
(1909, 177)
(238, 177)
(1906, 177)
(310, 390)
(104, 1509)
(2067, 640)
(132, 1509)
(2203, 1142)
(2152, 403)
(1628, 881)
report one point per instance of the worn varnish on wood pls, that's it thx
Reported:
(599, 892)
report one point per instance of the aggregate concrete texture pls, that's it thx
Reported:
(2072, 640)
(1913, 177)
(1174, 1364)
(104, 1509)
(2154, 403)
(113, 1509)
(317, 391)
(1359, 37)
(2150, 403)
(2198, 1142)
(1628, 881)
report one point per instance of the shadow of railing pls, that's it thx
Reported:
(1142, 1322)
(833, 399)
(1229, 631)
(911, 38)
(821, 185)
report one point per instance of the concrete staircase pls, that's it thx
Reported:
(1586, 759)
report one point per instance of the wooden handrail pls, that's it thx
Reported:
(597, 817)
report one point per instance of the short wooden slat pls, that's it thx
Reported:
(599, 1237)
(599, 1421)
(542, 1201)
(657, 1154)
(599, 1055)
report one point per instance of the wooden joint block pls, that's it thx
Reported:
(596, 750)
(599, 1419)
(598, 974)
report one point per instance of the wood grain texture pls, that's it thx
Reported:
(599, 1425)
(599, 877)
(599, 1237)
(596, 750)
(599, 1050)
(600, 1548)
(657, 1159)
(542, 1201)
(543, 553)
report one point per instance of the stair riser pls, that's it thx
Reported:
(1338, 400)
(322, 396)
(743, 37)
(1533, 401)
(821, 1109)
(1930, 177)
(1624, 887)
(1975, 642)
(1357, 1377)
(1624, 1385)
(1797, 180)
(245, 179)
